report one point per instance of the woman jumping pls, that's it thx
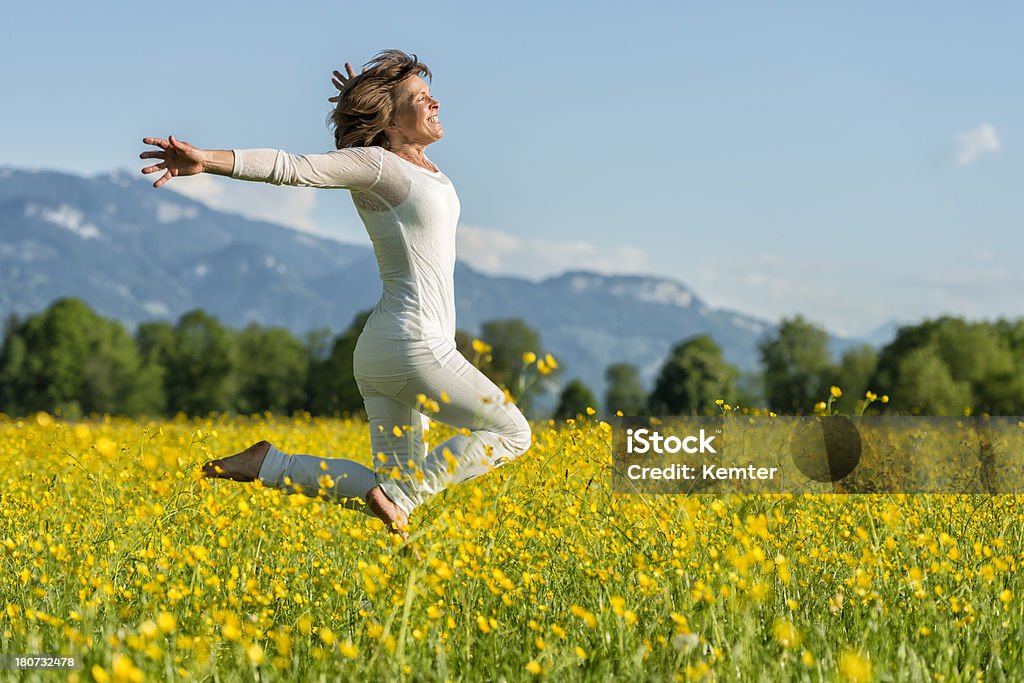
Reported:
(405, 358)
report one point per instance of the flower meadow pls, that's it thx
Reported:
(116, 550)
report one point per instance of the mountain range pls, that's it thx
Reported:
(136, 254)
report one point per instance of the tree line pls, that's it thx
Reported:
(73, 362)
(944, 366)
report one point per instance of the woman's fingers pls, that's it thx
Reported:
(152, 155)
(159, 142)
(154, 169)
(341, 81)
(163, 179)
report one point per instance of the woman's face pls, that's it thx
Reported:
(416, 121)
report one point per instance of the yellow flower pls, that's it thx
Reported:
(534, 667)
(255, 653)
(125, 669)
(529, 357)
(326, 635)
(588, 618)
(481, 346)
(542, 367)
(551, 361)
(870, 395)
(106, 446)
(854, 668)
(786, 633)
(99, 674)
(349, 650)
(885, 398)
(835, 391)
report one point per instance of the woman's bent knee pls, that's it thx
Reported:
(521, 438)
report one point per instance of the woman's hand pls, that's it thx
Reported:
(179, 158)
(341, 82)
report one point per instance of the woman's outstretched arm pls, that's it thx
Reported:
(354, 168)
(182, 159)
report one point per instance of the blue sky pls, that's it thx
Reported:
(853, 162)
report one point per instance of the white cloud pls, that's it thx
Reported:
(291, 206)
(500, 253)
(970, 145)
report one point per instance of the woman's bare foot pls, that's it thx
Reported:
(392, 515)
(244, 466)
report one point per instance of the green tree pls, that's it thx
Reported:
(332, 387)
(200, 366)
(58, 344)
(624, 392)
(318, 343)
(693, 377)
(116, 378)
(750, 389)
(574, 400)
(927, 387)
(272, 371)
(509, 339)
(797, 366)
(13, 358)
(155, 339)
(982, 367)
(67, 359)
(853, 375)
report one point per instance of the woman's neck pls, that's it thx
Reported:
(413, 152)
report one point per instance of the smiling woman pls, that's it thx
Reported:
(405, 358)
(387, 105)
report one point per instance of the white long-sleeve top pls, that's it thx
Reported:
(410, 214)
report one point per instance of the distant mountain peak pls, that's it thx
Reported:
(122, 177)
(647, 288)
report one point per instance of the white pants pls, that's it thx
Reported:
(392, 375)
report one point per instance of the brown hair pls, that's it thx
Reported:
(368, 104)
